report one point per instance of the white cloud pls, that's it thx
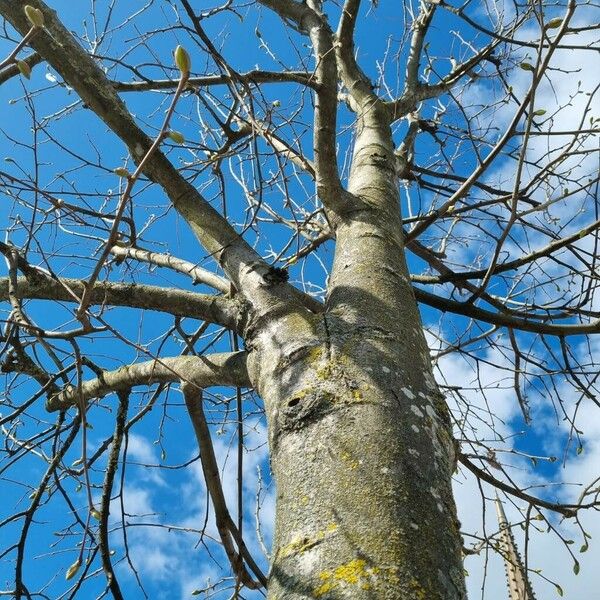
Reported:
(486, 578)
(140, 449)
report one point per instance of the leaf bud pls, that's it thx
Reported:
(72, 570)
(24, 68)
(176, 136)
(182, 60)
(527, 66)
(34, 15)
(121, 172)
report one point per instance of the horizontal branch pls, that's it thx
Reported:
(567, 510)
(198, 274)
(226, 369)
(544, 252)
(255, 76)
(181, 303)
(501, 319)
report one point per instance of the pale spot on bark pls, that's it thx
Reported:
(416, 410)
(408, 393)
(415, 428)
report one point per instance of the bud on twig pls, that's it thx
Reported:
(554, 23)
(72, 570)
(176, 136)
(34, 15)
(24, 68)
(182, 60)
(121, 172)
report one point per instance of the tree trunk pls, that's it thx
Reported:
(360, 436)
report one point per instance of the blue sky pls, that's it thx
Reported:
(171, 564)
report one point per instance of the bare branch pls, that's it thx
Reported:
(215, 309)
(198, 274)
(225, 525)
(226, 369)
(251, 77)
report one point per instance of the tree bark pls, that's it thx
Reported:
(360, 436)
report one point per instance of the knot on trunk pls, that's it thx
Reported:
(305, 407)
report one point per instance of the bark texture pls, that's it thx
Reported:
(361, 443)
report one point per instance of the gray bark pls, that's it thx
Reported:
(360, 436)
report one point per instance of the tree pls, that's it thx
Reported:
(441, 163)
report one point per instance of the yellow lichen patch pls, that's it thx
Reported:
(334, 367)
(351, 572)
(324, 588)
(299, 395)
(315, 354)
(352, 463)
(324, 372)
(354, 572)
(304, 543)
(418, 589)
(357, 395)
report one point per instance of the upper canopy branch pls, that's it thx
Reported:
(309, 18)
(242, 264)
(358, 85)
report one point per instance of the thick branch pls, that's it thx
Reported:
(12, 70)
(198, 274)
(228, 532)
(567, 510)
(215, 309)
(255, 76)
(358, 86)
(227, 369)
(107, 487)
(312, 20)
